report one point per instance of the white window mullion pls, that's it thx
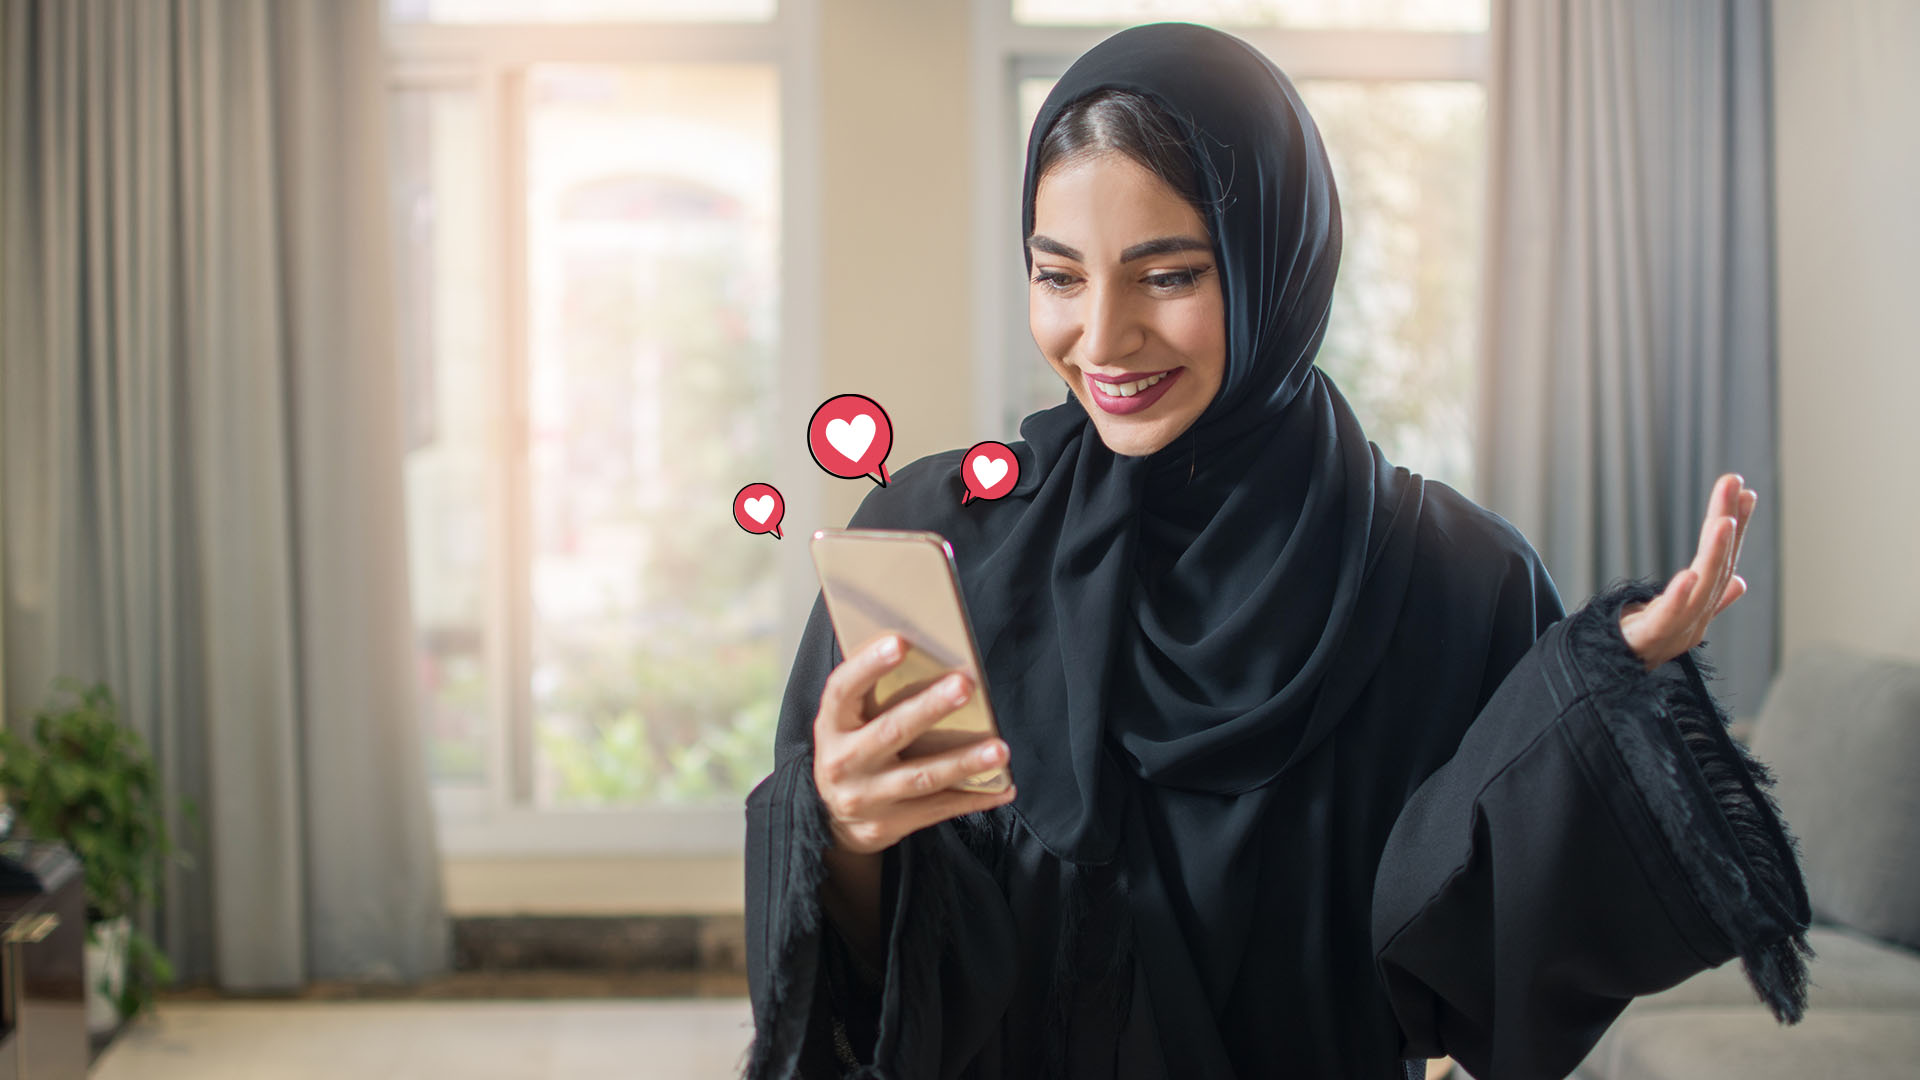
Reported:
(798, 479)
(514, 585)
(515, 46)
(998, 302)
(1302, 54)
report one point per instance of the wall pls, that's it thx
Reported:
(1847, 152)
(896, 209)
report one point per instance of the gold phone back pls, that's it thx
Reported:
(878, 581)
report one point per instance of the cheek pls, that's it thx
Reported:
(1215, 354)
(1052, 328)
(1199, 331)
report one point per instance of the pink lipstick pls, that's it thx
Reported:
(1122, 406)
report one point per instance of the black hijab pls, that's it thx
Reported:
(1170, 641)
(1201, 616)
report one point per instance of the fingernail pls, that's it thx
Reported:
(955, 688)
(890, 649)
(990, 753)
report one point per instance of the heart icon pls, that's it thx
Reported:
(758, 508)
(989, 471)
(852, 437)
(848, 436)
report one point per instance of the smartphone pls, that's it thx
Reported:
(876, 581)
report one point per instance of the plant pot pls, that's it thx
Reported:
(106, 962)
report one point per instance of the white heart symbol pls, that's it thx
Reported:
(988, 471)
(851, 438)
(759, 508)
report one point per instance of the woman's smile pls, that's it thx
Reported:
(1134, 394)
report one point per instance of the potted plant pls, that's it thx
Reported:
(87, 780)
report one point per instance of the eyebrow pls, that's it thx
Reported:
(1162, 245)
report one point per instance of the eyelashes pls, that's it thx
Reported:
(1167, 283)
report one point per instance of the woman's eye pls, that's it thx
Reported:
(1171, 281)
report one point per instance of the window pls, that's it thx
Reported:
(1468, 15)
(579, 11)
(1395, 86)
(606, 241)
(593, 235)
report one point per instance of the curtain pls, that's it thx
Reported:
(202, 459)
(1630, 340)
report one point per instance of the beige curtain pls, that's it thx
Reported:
(202, 452)
(1630, 339)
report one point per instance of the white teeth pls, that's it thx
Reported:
(1127, 389)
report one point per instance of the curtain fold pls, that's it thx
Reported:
(203, 459)
(1630, 333)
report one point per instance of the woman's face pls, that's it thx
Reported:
(1125, 289)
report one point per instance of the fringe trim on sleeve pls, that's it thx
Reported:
(1091, 968)
(802, 914)
(921, 917)
(1754, 894)
(1104, 984)
(920, 911)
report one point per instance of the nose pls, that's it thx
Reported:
(1112, 330)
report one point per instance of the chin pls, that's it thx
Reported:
(1138, 440)
(1131, 444)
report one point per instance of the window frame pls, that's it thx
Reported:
(1005, 51)
(496, 819)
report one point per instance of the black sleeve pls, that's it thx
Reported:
(949, 968)
(1597, 836)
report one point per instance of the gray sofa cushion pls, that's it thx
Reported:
(1848, 970)
(1841, 732)
(1852, 975)
(1856, 982)
(1702, 1042)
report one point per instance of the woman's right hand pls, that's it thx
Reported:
(872, 796)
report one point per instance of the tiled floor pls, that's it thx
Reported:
(668, 1039)
(474, 1026)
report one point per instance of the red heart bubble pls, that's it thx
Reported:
(850, 436)
(758, 508)
(989, 470)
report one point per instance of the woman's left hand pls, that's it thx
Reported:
(1677, 619)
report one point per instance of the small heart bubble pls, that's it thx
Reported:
(989, 470)
(758, 508)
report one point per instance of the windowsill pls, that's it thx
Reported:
(595, 885)
(471, 825)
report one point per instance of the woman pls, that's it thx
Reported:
(1312, 777)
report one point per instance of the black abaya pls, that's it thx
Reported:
(1313, 777)
(1595, 837)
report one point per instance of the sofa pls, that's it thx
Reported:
(1841, 733)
